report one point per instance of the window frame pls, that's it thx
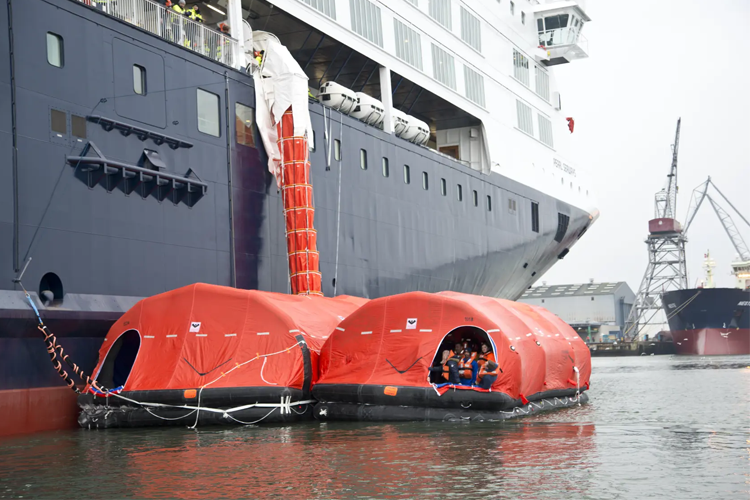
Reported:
(337, 150)
(425, 181)
(386, 168)
(363, 159)
(489, 203)
(407, 174)
(459, 192)
(443, 186)
(60, 49)
(239, 107)
(198, 91)
(475, 197)
(534, 216)
(142, 78)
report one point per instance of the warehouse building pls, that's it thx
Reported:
(597, 311)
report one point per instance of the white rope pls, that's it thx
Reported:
(338, 217)
(261, 373)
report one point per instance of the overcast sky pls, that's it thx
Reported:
(650, 63)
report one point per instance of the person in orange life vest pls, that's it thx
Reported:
(487, 375)
(449, 369)
(485, 354)
(457, 351)
(468, 367)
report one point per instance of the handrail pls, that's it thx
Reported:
(561, 37)
(126, 129)
(171, 26)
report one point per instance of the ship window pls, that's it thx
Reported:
(525, 119)
(535, 217)
(443, 187)
(55, 50)
(520, 67)
(386, 169)
(327, 7)
(425, 181)
(139, 79)
(440, 11)
(365, 19)
(78, 126)
(443, 67)
(244, 123)
(545, 130)
(408, 44)
(337, 150)
(475, 197)
(407, 176)
(542, 83)
(562, 227)
(523, 17)
(474, 85)
(459, 192)
(512, 8)
(489, 203)
(471, 29)
(59, 122)
(512, 206)
(363, 159)
(208, 113)
(312, 135)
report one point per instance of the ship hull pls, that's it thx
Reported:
(383, 226)
(709, 321)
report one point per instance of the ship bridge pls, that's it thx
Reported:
(559, 24)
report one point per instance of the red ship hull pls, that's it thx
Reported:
(712, 341)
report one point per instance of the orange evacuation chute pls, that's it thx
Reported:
(299, 212)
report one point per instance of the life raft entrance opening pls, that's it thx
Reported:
(473, 335)
(119, 361)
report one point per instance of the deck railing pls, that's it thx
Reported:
(170, 25)
(563, 36)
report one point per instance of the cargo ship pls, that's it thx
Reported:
(708, 320)
(134, 161)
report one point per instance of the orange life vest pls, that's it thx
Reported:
(483, 358)
(465, 369)
(484, 372)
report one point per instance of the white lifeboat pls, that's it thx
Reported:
(337, 97)
(400, 121)
(368, 109)
(416, 131)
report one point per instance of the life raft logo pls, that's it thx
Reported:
(411, 324)
(745, 303)
(195, 327)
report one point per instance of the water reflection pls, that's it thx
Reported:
(652, 430)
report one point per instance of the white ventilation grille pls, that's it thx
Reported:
(443, 68)
(542, 83)
(408, 44)
(474, 86)
(520, 67)
(525, 121)
(366, 20)
(471, 29)
(545, 131)
(327, 7)
(440, 11)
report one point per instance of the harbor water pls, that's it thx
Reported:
(656, 427)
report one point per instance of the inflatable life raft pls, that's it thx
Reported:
(206, 354)
(390, 360)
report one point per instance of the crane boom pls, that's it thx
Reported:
(731, 229)
(701, 193)
(670, 210)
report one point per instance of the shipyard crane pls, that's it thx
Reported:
(666, 269)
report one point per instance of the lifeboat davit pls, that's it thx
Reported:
(397, 358)
(206, 354)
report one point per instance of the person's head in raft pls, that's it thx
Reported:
(458, 349)
(467, 353)
(485, 348)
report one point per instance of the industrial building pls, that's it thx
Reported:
(597, 311)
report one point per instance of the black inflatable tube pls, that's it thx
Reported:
(387, 413)
(426, 397)
(215, 398)
(101, 417)
(113, 411)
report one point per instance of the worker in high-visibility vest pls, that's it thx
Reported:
(195, 14)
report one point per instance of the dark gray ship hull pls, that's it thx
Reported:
(98, 246)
